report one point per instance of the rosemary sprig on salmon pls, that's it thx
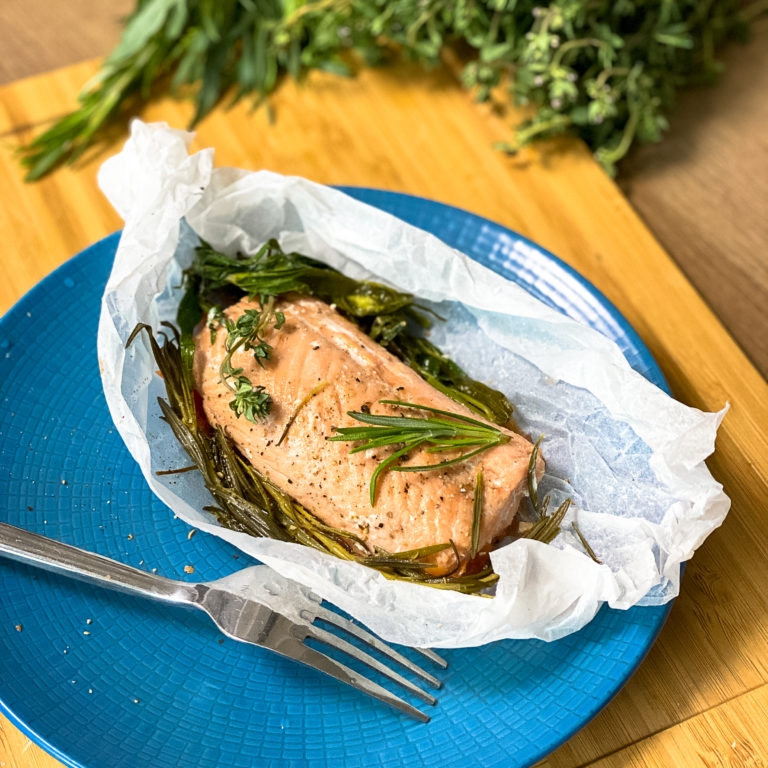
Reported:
(451, 432)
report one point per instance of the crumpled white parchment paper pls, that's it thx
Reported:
(633, 457)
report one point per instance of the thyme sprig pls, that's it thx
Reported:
(247, 333)
(250, 400)
(449, 432)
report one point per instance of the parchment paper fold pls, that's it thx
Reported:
(631, 457)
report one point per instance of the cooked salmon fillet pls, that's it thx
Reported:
(315, 345)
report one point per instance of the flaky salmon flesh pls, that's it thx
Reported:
(412, 509)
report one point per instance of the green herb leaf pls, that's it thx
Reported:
(189, 312)
(605, 71)
(477, 515)
(533, 483)
(452, 432)
(251, 401)
(548, 526)
(585, 543)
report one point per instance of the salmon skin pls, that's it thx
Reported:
(413, 509)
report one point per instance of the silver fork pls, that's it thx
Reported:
(255, 605)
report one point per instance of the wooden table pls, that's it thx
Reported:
(703, 192)
(700, 697)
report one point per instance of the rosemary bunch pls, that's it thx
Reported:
(604, 70)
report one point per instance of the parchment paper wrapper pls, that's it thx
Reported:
(633, 457)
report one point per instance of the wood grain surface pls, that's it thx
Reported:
(698, 698)
(703, 191)
(40, 35)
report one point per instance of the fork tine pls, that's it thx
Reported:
(428, 653)
(362, 634)
(432, 656)
(337, 642)
(344, 674)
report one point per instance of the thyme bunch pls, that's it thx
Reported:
(604, 70)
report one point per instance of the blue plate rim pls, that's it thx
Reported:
(41, 284)
(643, 353)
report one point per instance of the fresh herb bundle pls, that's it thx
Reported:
(604, 70)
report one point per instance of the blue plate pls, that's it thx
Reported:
(103, 680)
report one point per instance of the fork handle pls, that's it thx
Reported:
(52, 555)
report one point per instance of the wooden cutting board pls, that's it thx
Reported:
(699, 698)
